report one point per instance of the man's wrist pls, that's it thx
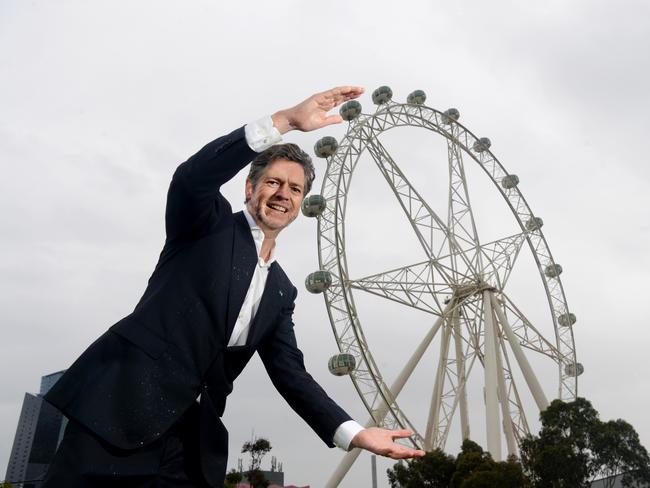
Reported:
(281, 122)
(262, 134)
(345, 433)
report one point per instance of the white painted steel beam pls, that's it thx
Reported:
(395, 389)
(491, 397)
(461, 373)
(436, 396)
(524, 365)
(511, 444)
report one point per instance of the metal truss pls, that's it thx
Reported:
(459, 282)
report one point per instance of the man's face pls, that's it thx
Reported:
(275, 201)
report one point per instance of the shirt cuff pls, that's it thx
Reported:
(261, 134)
(345, 433)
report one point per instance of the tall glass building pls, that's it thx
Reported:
(39, 431)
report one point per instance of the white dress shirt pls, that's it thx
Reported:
(255, 290)
(260, 135)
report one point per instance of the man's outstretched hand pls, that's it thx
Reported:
(380, 441)
(311, 114)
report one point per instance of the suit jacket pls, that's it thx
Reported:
(133, 383)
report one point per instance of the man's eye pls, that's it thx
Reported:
(297, 189)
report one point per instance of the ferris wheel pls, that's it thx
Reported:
(459, 283)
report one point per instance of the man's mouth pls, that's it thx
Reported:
(276, 207)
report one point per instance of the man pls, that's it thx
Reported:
(216, 296)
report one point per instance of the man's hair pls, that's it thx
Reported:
(282, 151)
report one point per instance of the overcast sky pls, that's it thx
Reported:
(100, 101)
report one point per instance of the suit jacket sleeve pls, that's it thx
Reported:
(194, 201)
(284, 363)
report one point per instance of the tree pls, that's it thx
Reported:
(473, 468)
(433, 470)
(561, 455)
(257, 449)
(470, 459)
(504, 474)
(618, 451)
(574, 447)
(233, 477)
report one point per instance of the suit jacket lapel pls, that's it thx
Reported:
(244, 260)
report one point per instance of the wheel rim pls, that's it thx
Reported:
(468, 270)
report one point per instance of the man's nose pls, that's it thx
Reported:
(282, 192)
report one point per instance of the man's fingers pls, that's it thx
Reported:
(381, 441)
(311, 114)
(350, 92)
(403, 452)
(332, 119)
(343, 93)
(406, 454)
(400, 434)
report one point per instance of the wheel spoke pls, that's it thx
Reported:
(431, 231)
(414, 285)
(517, 414)
(449, 388)
(501, 256)
(460, 219)
(527, 334)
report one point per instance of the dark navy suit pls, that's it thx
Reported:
(135, 382)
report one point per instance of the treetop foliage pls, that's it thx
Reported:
(573, 448)
(472, 468)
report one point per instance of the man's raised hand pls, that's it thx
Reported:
(311, 114)
(380, 441)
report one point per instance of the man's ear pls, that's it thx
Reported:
(249, 189)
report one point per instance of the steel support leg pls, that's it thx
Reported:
(379, 414)
(436, 396)
(524, 365)
(491, 398)
(460, 372)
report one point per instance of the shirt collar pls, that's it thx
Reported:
(258, 237)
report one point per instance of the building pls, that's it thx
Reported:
(276, 478)
(613, 482)
(246, 485)
(39, 432)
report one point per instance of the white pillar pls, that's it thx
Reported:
(436, 395)
(524, 365)
(511, 444)
(379, 414)
(491, 398)
(460, 373)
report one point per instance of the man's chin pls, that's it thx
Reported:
(273, 224)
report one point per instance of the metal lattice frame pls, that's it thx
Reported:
(461, 283)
